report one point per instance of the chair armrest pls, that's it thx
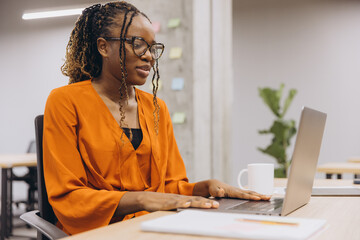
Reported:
(46, 228)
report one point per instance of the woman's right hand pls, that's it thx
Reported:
(132, 202)
(154, 201)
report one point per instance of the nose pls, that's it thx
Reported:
(147, 56)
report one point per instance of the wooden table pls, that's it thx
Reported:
(354, 159)
(7, 162)
(341, 213)
(339, 168)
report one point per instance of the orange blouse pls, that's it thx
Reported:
(89, 163)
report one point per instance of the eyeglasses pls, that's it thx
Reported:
(140, 46)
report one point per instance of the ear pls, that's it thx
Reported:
(103, 47)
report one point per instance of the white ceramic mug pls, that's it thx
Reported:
(260, 178)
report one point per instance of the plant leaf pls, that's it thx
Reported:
(280, 91)
(271, 99)
(280, 173)
(282, 130)
(275, 150)
(288, 101)
(291, 131)
(264, 131)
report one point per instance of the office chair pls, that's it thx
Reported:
(43, 219)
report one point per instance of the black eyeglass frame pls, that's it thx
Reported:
(132, 39)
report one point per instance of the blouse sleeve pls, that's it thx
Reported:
(77, 206)
(176, 180)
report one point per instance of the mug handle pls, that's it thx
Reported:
(239, 179)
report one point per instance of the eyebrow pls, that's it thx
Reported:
(153, 41)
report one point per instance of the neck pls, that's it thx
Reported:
(110, 88)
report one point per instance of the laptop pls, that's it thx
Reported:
(301, 176)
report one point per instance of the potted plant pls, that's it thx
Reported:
(281, 129)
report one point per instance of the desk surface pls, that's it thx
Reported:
(281, 182)
(17, 160)
(354, 159)
(339, 167)
(342, 214)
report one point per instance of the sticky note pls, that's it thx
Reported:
(151, 85)
(156, 26)
(178, 117)
(174, 22)
(177, 84)
(175, 52)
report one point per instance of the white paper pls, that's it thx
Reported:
(233, 225)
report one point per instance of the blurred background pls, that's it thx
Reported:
(229, 50)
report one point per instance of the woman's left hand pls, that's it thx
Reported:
(216, 188)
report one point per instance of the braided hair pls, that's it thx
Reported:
(83, 60)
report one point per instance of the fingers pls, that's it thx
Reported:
(200, 202)
(218, 189)
(186, 205)
(153, 201)
(250, 195)
(180, 202)
(166, 201)
(262, 197)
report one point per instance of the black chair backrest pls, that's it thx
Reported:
(46, 211)
(32, 147)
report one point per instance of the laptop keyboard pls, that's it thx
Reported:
(262, 206)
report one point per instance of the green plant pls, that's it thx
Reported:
(282, 130)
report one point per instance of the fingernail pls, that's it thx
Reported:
(208, 205)
(215, 204)
(187, 204)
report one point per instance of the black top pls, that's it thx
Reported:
(137, 136)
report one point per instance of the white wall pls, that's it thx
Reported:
(31, 53)
(312, 46)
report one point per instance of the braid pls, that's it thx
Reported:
(83, 60)
(155, 84)
(123, 86)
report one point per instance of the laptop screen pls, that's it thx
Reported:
(304, 160)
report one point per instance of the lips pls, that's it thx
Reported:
(144, 70)
(145, 67)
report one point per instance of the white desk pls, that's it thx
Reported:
(341, 213)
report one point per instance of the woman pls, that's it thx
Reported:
(109, 148)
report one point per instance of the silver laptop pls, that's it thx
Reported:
(301, 176)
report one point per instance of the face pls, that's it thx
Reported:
(138, 68)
